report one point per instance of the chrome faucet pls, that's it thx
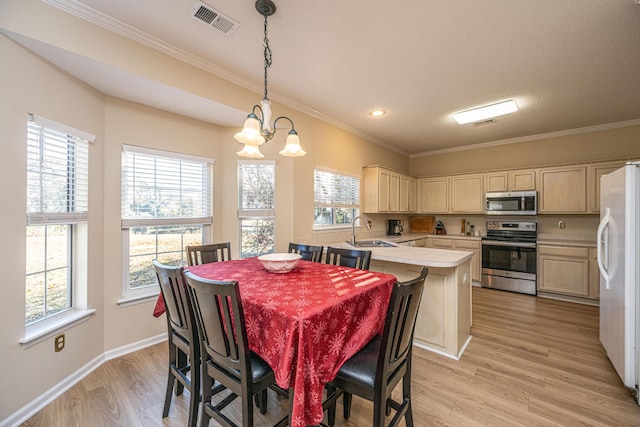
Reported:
(353, 228)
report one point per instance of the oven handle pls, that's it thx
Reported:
(512, 244)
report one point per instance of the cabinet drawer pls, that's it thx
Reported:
(442, 243)
(468, 244)
(563, 251)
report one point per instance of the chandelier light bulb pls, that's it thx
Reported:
(293, 149)
(250, 151)
(257, 131)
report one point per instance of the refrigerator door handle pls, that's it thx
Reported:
(602, 251)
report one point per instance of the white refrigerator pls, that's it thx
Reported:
(619, 264)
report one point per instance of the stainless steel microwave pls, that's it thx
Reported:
(514, 203)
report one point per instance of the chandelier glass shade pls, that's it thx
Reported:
(257, 127)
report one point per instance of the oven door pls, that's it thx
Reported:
(509, 256)
(509, 266)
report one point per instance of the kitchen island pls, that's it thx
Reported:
(444, 319)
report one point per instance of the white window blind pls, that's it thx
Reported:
(256, 189)
(57, 173)
(336, 190)
(164, 188)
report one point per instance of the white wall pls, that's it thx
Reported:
(30, 84)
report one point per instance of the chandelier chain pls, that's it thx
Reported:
(267, 57)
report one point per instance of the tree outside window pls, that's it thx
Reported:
(256, 207)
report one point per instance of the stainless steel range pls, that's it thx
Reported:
(509, 256)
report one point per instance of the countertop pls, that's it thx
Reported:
(405, 237)
(413, 255)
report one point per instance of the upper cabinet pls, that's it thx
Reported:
(571, 189)
(517, 180)
(454, 194)
(562, 190)
(434, 195)
(594, 173)
(408, 194)
(385, 190)
(467, 194)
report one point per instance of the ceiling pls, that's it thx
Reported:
(569, 64)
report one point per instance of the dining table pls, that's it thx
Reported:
(305, 323)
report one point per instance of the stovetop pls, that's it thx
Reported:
(513, 231)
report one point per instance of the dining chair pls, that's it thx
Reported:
(225, 351)
(213, 252)
(184, 343)
(309, 253)
(354, 258)
(376, 370)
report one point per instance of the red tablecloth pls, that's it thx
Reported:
(306, 323)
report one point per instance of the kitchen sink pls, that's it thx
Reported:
(372, 244)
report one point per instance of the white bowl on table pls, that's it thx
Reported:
(279, 263)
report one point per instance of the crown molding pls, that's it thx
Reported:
(100, 19)
(549, 135)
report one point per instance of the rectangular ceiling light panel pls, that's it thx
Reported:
(486, 112)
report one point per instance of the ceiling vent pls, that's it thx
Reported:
(208, 15)
(485, 122)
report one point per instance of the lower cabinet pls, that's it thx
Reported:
(568, 270)
(461, 244)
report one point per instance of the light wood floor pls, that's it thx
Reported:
(531, 362)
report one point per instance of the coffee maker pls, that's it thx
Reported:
(394, 227)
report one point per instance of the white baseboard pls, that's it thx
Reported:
(54, 392)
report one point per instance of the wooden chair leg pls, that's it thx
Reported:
(346, 402)
(379, 411)
(171, 379)
(262, 399)
(331, 410)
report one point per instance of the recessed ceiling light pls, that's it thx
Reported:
(377, 113)
(486, 112)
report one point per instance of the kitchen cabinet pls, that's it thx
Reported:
(407, 197)
(516, 180)
(562, 190)
(594, 172)
(467, 194)
(461, 244)
(385, 190)
(568, 270)
(434, 195)
(462, 194)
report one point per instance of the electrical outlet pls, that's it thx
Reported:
(562, 225)
(58, 343)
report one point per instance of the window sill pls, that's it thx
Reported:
(330, 228)
(46, 329)
(138, 299)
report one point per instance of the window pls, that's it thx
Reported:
(337, 199)
(166, 205)
(256, 207)
(57, 209)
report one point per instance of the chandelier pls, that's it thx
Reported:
(258, 129)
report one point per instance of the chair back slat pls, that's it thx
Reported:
(353, 258)
(309, 253)
(400, 322)
(220, 319)
(215, 252)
